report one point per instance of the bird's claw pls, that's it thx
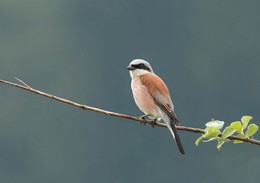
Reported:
(153, 123)
(143, 118)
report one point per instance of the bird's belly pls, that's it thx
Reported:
(145, 102)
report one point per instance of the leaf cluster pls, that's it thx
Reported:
(240, 128)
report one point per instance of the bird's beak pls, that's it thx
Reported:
(130, 68)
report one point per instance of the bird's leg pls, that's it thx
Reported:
(154, 122)
(143, 117)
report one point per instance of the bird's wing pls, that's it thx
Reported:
(160, 93)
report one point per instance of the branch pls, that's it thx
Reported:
(26, 87)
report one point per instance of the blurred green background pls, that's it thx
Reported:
(207, 52)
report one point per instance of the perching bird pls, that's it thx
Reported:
(152, 96)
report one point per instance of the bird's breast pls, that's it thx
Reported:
(143, 99)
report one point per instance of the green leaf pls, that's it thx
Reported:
(228, 131)
(220, 143)
(237, 126)
(239, 141)
(251, 130)
(198, 140)
(211, 132)
(245, 120)
(216, 124)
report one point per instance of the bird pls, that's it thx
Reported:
(152, 96)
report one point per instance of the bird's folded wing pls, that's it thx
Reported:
(160, 93)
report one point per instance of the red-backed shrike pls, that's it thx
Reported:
(152, 96)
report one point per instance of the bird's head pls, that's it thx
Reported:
(139, 67)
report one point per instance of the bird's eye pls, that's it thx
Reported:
(141, 65)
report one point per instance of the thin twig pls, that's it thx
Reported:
(22, 82)
(26, 87)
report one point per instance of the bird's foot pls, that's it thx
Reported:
(144, 118)
(153, 123)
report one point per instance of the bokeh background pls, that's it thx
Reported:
(207, 52)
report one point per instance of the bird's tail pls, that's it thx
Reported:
(171, 126)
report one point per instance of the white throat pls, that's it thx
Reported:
(138, 72)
